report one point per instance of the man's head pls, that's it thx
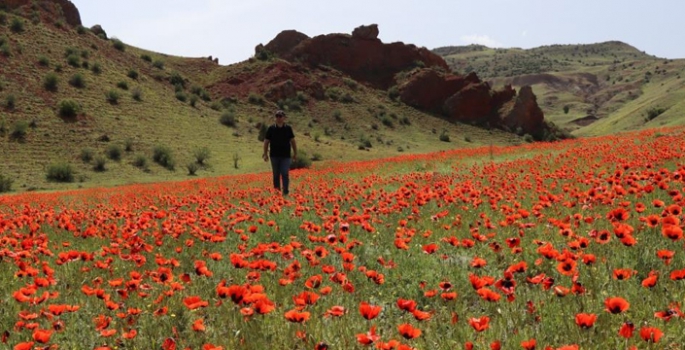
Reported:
(280, 114)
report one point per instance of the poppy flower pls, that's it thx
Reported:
(199, 325)
(585, 320)
(623, 274)
(408, 331)
(480, 324)
(368, 337)
(616, 305)
(406, 304)
(626, 330)
(42, 335)
(296, 316)
(651, 334)
(194, 302)
(421, 315)
(488, 294)
(335, 311)
(368, 311)
(529, 344)
(24, 346)
(651, 279)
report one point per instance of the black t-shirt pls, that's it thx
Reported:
(279, 140)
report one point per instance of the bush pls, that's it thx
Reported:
(216, 105)
(405, 120)
(192, 168)
(177, 79)
(137, 94)
(255, 99)
(228, 118)
(163, 156)
(100, 164)
(81, 29)
(528, 138)
(43, 61)
(74, 60)
(201, 155)
(96, 68)
(68, 109)
(193, 100)
(201, 93)
(113, 152)
(128, 145)
(122, 85)
(133, 74)
(159, 64)
(60, 172)
(17, 25)
(10, 102)
(566, 109)
(301, 162)
(78, 81)
(19, 130)
(181, 96)
(146, 57)
(50, 82)
(5, 50)
(444, 137)
(87, 155)
(118, 44)
(337, 115)
(394, 93)
(5, 183)
(140, 161)
(654, 112)
(387, 121)
(112, 96)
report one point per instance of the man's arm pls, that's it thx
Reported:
(265, 156)
(294, 145)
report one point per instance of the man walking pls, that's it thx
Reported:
(279, 138)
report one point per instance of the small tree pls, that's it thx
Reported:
(201, 155)
(60, 172)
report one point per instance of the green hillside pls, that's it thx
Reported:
(592, 89)
(72, 99)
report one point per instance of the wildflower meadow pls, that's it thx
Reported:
(576, 244)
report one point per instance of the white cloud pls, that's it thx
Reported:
(480, 39)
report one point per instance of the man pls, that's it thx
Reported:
(279, 138)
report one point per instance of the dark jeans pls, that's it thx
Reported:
(280, 167)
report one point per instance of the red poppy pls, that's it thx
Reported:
(406, 304)
(623, 274)
(529, 344)
(585, 320)
(194, 302)
(42, 335)
(368, 311)
(297, 316)
(626, 330)
(368, 337)
(616, 305)
(199, 325)
(480, 324)
(408, 331)
(651, 334)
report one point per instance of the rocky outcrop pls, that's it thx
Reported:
(98, 31)
(361, 55)
(55, 9)
(523, 112)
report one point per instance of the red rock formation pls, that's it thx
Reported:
(523, 112)
(362, 56)
(55, 8)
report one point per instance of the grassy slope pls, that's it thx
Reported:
(161, 119)
(612, 81)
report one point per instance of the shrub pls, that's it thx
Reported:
(201, 155)
(68, 109)
(163, 156)
(159, 64)
(87, 155)
(351, 83)
(5, 183)
(192, 168)
(301, 162)
(74, 60)
(255, 99)
(10, 102)
(654, 112)
(113, 152)
(333, 93)
(193, 100)
(43, 61)
(228, 118)
(128, 145)
(467, 139)
(99, 164)
(96, 68)
(566, 109)
(181, 96)
(60, 172)
(3, 17)
(17, 25)
(50, 82)
(528, 138)
(394, 93)
(118, 44)
(405, 120)
(112, 96)
(146, 57)
(133, 74)
(5, 49)
(81, 29)
(444, 137)
(77, 81)
(140, 161)
(201, 93)
(19, 130)
(216, 105)
(137, 94)
(177, 79)
(122, 85)
(387, 121)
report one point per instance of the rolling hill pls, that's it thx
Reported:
(592, 89)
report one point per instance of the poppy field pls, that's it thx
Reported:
(570, 245)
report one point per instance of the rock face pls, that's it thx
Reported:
(422, 79)
(55, 8)
(98, 31)
(361, 55)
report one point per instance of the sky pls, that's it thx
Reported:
(230, 29)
